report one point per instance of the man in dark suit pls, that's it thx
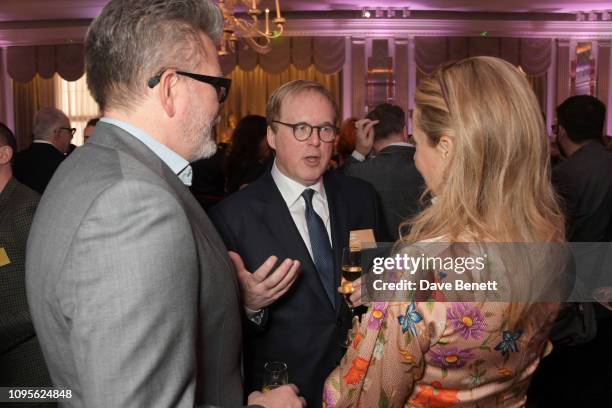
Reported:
(583, 179)
(35, 165)
(391, 171)
(21, 359)
(583, 182)
(293, 211)
(132, 293)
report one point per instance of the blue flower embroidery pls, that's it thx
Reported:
(410, 319)
(508, 342)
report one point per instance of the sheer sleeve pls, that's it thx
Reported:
(386, 356)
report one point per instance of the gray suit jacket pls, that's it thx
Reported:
(396, 180)
(130, 287)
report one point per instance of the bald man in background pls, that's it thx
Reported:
(35, 165)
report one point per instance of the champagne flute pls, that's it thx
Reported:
(275, 375)
(351, 271)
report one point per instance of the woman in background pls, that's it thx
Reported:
(249, 153)
(482, 149)
(345, 142)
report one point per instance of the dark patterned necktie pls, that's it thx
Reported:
(322, 253)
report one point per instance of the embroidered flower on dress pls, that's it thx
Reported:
(509, 342)
(379, 312)
(434, 396)
(467, 319)
(450, 357)
(410, 319)
(357, 371)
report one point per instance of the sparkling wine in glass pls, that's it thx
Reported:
(275, 375)
(351, 271)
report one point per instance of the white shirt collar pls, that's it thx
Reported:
(291, 190)
(400, 144)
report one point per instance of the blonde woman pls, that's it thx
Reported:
(482, 149)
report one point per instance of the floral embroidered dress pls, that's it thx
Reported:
(440, 354)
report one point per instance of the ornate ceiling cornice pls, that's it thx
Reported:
(70, 31)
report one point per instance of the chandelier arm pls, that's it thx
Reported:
(257, 47)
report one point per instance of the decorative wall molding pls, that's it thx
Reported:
(439, 28)
(70, 31)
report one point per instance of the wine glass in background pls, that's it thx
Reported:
(604, 296)
(351, 271)
(275, 375)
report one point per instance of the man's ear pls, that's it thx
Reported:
(445, 146)
(167, 92)
(6, 154)
(271, 136)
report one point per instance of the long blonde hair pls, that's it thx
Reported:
(497, 185)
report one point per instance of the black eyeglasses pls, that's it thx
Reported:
(72, 131)
(221, 85)
(302, 131)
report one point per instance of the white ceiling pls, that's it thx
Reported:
(24, 10)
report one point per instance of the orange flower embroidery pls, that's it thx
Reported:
(357, 371)
(357, 340)
(407, 355)
(504, 371)
(434, 396)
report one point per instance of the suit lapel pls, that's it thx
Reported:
(279, 222)
(338, 211)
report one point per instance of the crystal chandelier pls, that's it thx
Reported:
(249, 31)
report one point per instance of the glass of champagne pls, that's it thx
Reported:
(351, 271)
(275, 375)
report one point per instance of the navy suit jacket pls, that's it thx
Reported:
(303, 328)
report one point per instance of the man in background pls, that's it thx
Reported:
(35, 165)
(131, 290)
(21, 360)
(89, 128)
(584, 178)
(583, 182)
(391, 170)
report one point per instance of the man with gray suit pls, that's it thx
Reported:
(131, 290)
(390, 170)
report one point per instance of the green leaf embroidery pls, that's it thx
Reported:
(383, 401)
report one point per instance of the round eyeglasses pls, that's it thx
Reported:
(302, 131)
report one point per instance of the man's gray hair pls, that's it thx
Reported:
(46, 121)
(133, 40)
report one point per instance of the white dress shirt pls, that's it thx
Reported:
(291, 191)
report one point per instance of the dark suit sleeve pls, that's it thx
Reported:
(217, 216)
(380, 226)
(568, 202)
(350, 166)
(218, 219)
